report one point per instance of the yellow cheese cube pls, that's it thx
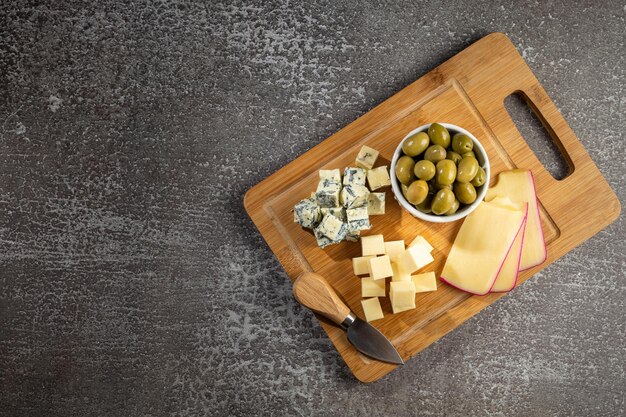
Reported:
(361, 265)
(371, 309)
(394, 248)
(366, 157)
(419, 240)
(402, 296)
(372, 245)
(378, 178)
(399, 274)
(424, 282)
(380, 267)
(414, 258)
(372, 287)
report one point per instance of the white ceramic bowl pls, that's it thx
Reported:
(483, 160)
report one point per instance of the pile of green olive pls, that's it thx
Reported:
(439, 174)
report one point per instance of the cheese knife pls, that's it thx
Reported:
(314, 292)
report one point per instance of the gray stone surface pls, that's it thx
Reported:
(133, 283)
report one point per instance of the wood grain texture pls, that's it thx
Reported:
(467, 90)
(314, 292)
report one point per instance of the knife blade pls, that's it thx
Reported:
(314, 292)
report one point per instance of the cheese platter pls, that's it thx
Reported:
(325, 190)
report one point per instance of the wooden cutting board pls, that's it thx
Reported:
(468, 90)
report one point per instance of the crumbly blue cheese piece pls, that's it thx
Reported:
(333, 228)
(328, 192)
(366, 157)
(332, 174)
(307, 213)
(354, 196)
(322, 241)
(354, 176)
(353, 235)
(376, 204)
(338, 212)
(378, 178)
(358, 219)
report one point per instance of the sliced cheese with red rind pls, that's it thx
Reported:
(482, 244)
(507, 277)
(519, 186)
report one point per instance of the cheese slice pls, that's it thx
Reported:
(507, 277)
(482, 245)
(519, 186)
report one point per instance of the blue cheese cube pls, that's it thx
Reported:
(328, 192)
(354, 196)
(378, 178)
(333, 228)
(331, 174)
(338, 212)
(322, 241)
(354, 176)
(353, 235)
(376, 204)
(366, 157)
(358, 219)
(307, 213)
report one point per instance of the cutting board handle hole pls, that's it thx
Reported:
(538, 138)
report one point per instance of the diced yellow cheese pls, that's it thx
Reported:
(419, 240)
(507, 277)
(380, 267)
(394, 248)
(366, 157)
(481, 246)
(372, 245)
(425, 282)
(378, 178)
(372, 309)
(402, 296)
(372, 287)
(399, 274)
(519, 186)
(414, 258)
(361, 265)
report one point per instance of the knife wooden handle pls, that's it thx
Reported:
(314, 292)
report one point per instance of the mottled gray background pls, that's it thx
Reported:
(132, 281)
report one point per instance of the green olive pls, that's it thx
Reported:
(470, 153)
(415, 144)
(439, 135)
(424, 170)
(443, 201)
(479, 178)
(404, 169)
(454, 208)
(404, 189)
(435, 153)
(467, 169)
(425, 206)
(465, 192)
(453, 156)
(446, 172)
(417, 192)
(461, 143)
